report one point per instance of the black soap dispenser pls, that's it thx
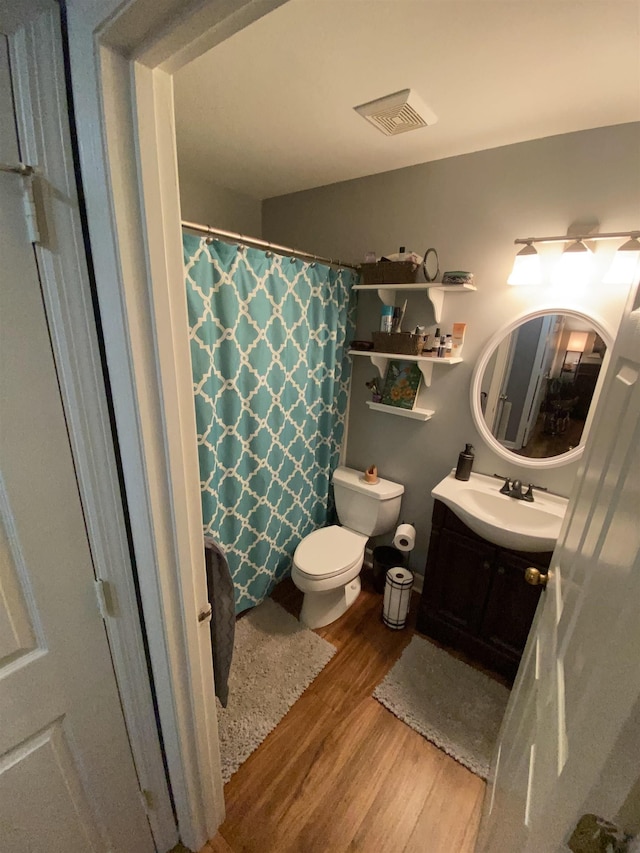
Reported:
(465, 463)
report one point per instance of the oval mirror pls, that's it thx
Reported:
(534, 387)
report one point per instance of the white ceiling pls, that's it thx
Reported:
(270, 111)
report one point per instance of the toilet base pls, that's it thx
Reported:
(323, 608)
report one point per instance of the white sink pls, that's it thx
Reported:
(500, 519)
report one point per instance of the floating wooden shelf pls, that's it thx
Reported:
(435, 290)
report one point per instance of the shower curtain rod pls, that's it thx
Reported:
(264, 244)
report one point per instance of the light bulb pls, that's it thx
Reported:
(625, 263)
(574, 267)
(526, 267)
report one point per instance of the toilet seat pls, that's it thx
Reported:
(329, 552)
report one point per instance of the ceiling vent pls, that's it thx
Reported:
(397, 113)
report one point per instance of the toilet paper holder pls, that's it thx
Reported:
(405, 537)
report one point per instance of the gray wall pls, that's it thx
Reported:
(471, 208)
(207, 203)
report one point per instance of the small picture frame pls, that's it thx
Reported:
(401, 384)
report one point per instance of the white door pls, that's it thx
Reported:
(541, 364)
(67, 780)
(580, 676)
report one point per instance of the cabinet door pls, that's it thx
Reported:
(511, 605)
(457, 582)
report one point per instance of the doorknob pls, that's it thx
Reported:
(535, 577)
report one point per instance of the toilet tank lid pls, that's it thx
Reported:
(383, 490)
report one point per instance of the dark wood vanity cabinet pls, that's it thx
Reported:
(475, 598)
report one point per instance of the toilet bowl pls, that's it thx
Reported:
(326, 567)
(326, 563)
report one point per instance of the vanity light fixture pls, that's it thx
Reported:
(526, 267)
(574, 265)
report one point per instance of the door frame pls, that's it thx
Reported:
(37, 65)
(122, 57)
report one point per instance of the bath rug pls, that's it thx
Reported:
(274, 659)
(451, 704)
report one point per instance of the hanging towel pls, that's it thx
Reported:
(223, 618)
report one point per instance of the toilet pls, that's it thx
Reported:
(326, 564)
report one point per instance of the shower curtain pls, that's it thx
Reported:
(269, 338)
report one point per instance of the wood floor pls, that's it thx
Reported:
(340, 772)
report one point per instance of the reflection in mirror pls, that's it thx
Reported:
(538, 385)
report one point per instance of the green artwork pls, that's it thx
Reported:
(401, 384)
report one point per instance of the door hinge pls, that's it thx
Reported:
(104, 596)
(31, 210)
(147, 800)
(205, 615)
(33, 198)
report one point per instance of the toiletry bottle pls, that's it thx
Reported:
(448, 348)
(386, 318)
(465, 463)
(458, 338)
(442, 347)
(435, 342)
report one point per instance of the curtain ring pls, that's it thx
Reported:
(269, 254)
(292, 260)
(208, 240)
(428, 277)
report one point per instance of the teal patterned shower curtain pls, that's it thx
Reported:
(269, 338)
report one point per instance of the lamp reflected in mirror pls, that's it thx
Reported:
(576, 345)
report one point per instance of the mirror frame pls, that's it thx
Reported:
(476, 383)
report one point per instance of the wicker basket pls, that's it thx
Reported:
(389, 272)
(402, 343)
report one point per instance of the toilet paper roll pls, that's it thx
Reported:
(397, 597)
(405, 538)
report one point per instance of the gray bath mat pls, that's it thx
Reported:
(453, 705)
(274, 659)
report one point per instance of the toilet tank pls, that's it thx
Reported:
(363, 507)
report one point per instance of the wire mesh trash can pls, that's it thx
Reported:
(397, 597)
(385, 557)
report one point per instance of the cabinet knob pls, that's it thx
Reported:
(500, 570)
(535, 577)
(486, 565)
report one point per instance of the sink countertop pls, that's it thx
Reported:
(505, 521)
